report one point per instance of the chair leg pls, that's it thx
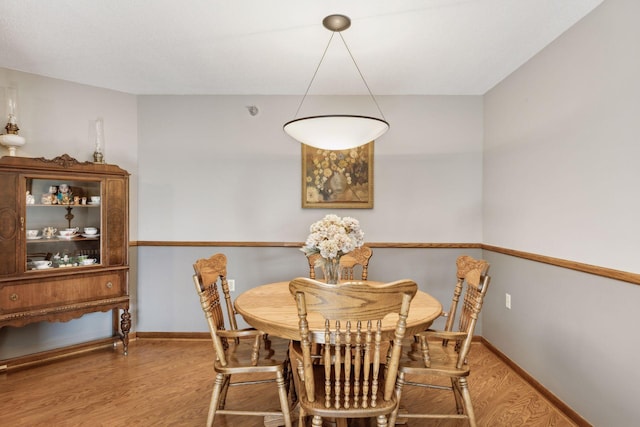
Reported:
(223, 391)
(302, 418)
(399, 384)
(381, 421)
(291, 387)
(289, 381)
(457, 394)
(218, 386)
(284, 401)
(466, 399)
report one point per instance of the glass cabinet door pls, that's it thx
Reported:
(63, 223)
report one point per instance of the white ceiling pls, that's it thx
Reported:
(441, 47)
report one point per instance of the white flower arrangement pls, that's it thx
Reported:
(333, 237)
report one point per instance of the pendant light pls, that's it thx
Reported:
(336, 131)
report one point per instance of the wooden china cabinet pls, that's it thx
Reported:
(50, 268)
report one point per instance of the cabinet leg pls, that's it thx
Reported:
(125, 326)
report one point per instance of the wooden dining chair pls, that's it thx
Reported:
(355, 379)
(238, 351)
(444, 353)
(464, 264)
(349, 264)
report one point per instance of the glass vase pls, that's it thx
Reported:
(331, 270)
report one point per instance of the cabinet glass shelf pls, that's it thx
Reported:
(55, 205)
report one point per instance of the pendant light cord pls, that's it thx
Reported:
(314, 75)
(354, 63)
(362, 77)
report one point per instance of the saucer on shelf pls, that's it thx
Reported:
(34, 238)
(90, 235)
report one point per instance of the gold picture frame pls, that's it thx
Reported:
(337, 179)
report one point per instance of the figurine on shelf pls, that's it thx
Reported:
(49, 232)
(30, 199)
(64, 194)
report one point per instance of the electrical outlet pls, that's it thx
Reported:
(507, 301)
(232, 285)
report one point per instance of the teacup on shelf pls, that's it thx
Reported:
(32, 234)
(90, 230)
(88, 261)
(68, 232)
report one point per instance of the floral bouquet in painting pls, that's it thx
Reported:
(337, 175)
(333, 237)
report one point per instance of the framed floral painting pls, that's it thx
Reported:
(337, 178)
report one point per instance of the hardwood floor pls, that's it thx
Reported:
(168, 383)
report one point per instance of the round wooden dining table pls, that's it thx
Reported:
(272, 309)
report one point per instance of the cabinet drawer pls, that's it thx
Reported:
(60, 291)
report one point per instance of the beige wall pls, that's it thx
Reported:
(561, 180)
(211, 171)
(564, 128)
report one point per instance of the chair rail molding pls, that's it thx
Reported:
(609, 273)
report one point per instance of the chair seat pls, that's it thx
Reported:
(443, 360)
(273, 353)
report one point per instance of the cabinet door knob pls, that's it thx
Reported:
(109, 285)
(13, 297)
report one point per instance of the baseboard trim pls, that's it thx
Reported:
(563, 407)
(49, 356)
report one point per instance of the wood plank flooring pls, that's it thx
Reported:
(168, 383)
